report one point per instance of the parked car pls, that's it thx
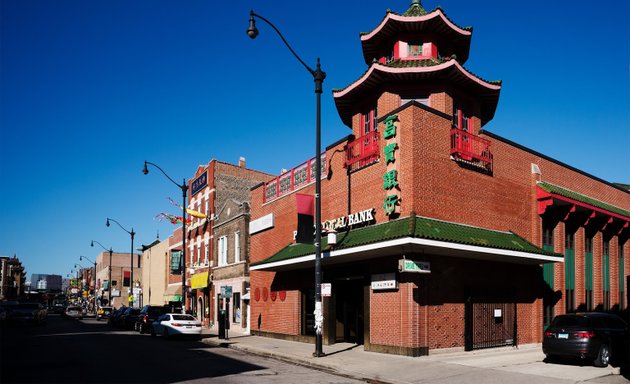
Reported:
(176, 324)
(34, 313)
(113, 317)
(103, 313)
(594, 336)
(73, 312)
(127, 320)
(147, 316)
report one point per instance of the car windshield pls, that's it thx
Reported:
(570, 321)
(184, 317)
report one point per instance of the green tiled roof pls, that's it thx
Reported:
(556, 190)
(416, 227)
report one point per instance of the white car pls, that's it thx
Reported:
(176, 324)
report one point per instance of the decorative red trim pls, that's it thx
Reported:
(283, 295)
(265, 293)
(273, 295)
(257, 294)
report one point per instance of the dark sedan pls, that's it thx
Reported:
(594, 336)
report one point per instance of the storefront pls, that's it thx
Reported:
(439, 230)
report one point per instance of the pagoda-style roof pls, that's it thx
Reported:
(418, 22)
(383, 76)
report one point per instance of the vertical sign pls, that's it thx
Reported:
(391, 203)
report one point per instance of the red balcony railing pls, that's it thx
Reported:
(362, 151)
(297, 177)
(471, 149)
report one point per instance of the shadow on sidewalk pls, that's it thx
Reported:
(343, 350)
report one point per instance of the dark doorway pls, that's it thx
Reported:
(348, 299)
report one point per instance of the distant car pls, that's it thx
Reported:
(73, 312)
(176, 324)
(116, 313)
(147, 316)
(34, 313)
(103, 313)
(594, 336)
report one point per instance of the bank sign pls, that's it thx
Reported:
(355, 219)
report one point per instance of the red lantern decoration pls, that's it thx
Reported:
(274, 295)
(283, 295)
(265, 293)
(257, 294)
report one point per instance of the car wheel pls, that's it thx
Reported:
(603, 357)
(166, 335)
(153, 332)
(141, 329)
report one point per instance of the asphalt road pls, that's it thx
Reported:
(87, 351)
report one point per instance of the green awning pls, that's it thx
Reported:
(415, 233)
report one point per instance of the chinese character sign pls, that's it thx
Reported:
(391, 202)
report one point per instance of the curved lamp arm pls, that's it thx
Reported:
(145, 170)
(102, 246)
(121, 227)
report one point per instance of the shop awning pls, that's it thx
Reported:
(198, 280)
(173, 290)
(413, 234)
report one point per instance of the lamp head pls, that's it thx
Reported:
(145, 170)
(92, 243)
(107, 222)
(252, 31)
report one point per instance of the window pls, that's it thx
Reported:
(606, 273)
(207, 253)
(237, 246)
(198, 252)
(569, 272)
(588, 272)
(126, 278)
(176, 262)
(414, 48)
(548, 275)
(368, 121)
(222, 250)
(460, 118)
(236, 308)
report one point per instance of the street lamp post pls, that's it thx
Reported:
(109, 282)
(93, 262)
(318, 77)
(132, 234)
(182, 262)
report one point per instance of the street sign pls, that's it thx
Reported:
(226, 291)
(406, 265)
(326, 289)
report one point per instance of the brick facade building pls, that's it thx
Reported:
(216, 192)
(447, 235)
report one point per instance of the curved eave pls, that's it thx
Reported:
(393, 24)
(450, 71)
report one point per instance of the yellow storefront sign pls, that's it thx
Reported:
(199, 280)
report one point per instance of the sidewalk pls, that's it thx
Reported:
(516, 365)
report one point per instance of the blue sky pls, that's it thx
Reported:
(90, 89)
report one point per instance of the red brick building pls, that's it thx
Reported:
(447, 235)
(213, 187)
